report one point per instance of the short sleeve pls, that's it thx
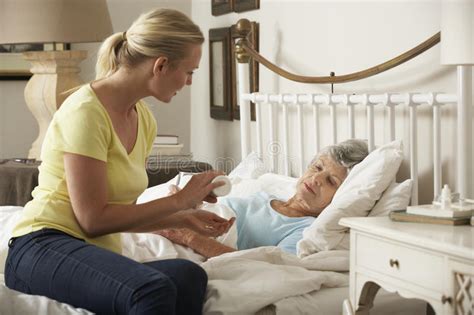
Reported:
(83, 130)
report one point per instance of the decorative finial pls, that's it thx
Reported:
(243, 28)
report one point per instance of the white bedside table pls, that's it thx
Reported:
(431, 262)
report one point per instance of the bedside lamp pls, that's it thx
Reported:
(54, 72)
(457, 48)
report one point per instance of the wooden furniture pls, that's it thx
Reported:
(431, 262)
(17, 180)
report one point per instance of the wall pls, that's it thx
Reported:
(18, 127)
(317, 37)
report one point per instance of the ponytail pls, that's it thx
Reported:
(107, 57)
(162, 32)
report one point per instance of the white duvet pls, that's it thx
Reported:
(242, 282)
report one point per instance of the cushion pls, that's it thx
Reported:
(355, 198)
(251, 167)
(396, 197)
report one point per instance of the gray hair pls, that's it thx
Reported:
(346, 153)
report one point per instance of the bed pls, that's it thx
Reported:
(266, 280)
(269, 280)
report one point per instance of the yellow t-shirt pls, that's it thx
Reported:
(83, 126)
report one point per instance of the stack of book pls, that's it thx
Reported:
(443, 211)
(166, 145)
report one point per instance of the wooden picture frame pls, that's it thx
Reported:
(253, 70)
(219, 7)
(220, 73)
(246, 5)
(12, 64)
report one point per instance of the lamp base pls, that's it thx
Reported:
(54, 72)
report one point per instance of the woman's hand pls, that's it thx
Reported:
(203, 222)
(198, 189)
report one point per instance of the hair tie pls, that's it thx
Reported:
(124, 36)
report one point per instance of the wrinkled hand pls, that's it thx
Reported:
(203, 222)
(178, 236)
(197, 190)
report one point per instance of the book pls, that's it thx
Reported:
(436, 211)
(403, 216)
(166, 139)
(166, 149)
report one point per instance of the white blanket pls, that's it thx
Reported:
(242, 282)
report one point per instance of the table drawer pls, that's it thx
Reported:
(398, 260)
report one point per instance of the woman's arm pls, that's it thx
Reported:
(87, 186)
(202, 245)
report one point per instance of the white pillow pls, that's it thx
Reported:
(281, 186)
(357, 195)
(251, 167)
(396, 197)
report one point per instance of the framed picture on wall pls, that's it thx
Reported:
(253, 38)
(220, 73)
(12, 64)
(219, 7)
(246, 5)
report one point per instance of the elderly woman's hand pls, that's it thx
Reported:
(178, 236)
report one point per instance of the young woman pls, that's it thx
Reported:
(67, 244)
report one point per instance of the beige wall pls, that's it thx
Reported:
(317, 37)
(18, 128)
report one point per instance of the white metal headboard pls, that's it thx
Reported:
(461, 99)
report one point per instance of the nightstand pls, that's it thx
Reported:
(431, 262)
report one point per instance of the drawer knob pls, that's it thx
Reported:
(446, 299)
(394, 263)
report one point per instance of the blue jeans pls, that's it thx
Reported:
(54, 264)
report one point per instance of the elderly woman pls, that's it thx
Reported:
(263, 220)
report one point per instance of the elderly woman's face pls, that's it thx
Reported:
(319, 183)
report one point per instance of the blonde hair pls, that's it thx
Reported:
(161, 32)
